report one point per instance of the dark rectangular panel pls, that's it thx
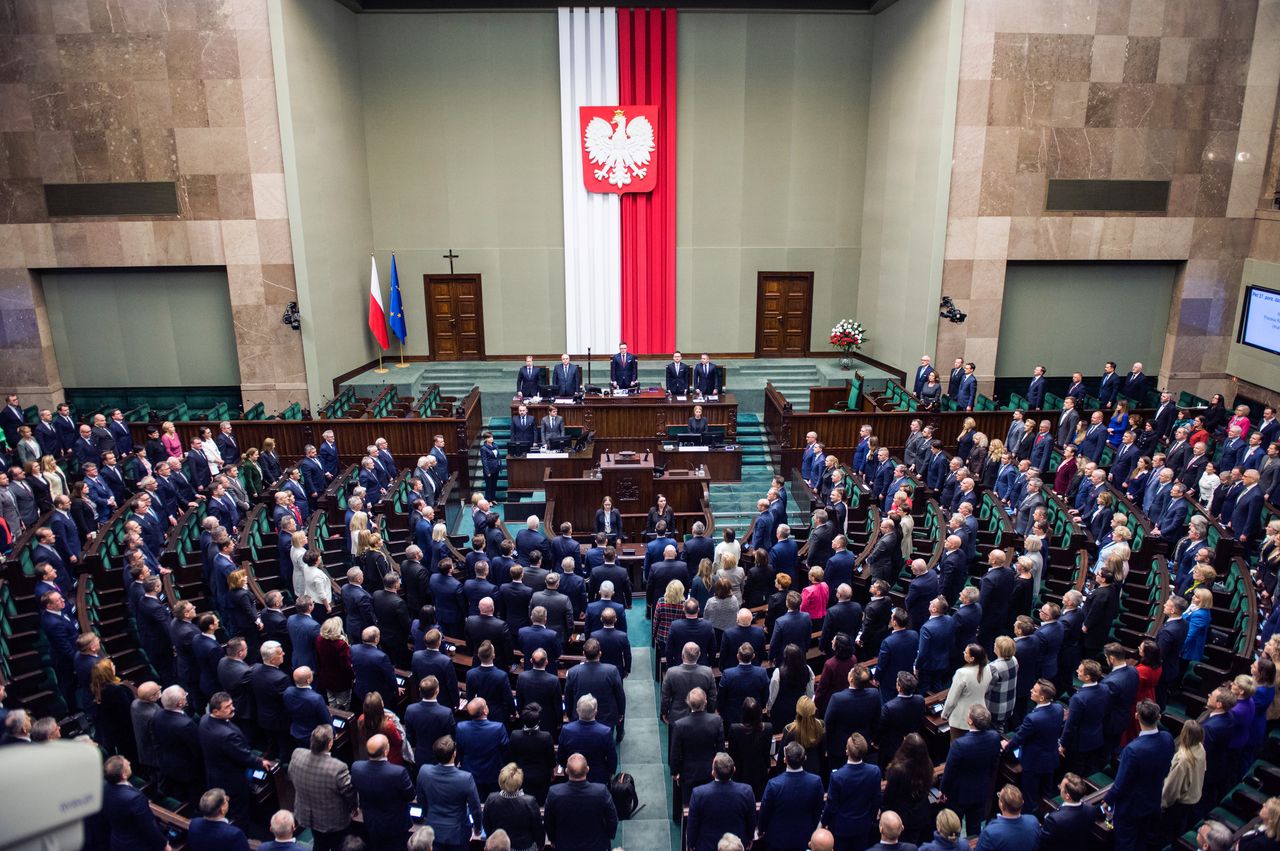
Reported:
(1107, 196)
(111, 199)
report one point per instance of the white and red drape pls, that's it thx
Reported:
(619, 251)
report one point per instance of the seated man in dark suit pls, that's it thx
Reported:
(624, 372)
(567, 378)
(678, 376)
(706, 377)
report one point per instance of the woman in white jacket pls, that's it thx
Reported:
(1184, 783)
(297, 549)
(968, 687)
(317, 583)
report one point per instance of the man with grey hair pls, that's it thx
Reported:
(1070, 653)
(530, 540)
(679, 681)
(695, 739)
(324, 797)
(373, 668)
(141, 712)
(177, 743)
(283, 828)
(592, 739)
(268, 683)
(423, 838)
(720, 809)
(699, 546)
(1213, 836)
(559, 607)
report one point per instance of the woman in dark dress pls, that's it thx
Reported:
(534, 751)
(809, 732)
(964, 442)
(750, 744)
(835, 671)
(112, 699)
(662, 512)
(1024, 584)
(514, 811)
(155, 446)
(242, 614)
(83, 511)
(697, 422)
(376, 563)
(906, 792)
(791, 682)
(931, 393)
(1216, 416)
(759, 580)
(269, 461)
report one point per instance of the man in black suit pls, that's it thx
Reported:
(1135, 385)
(512, 604)
(899, 716)
(678, 376)
(691, 628)
(11, 417)
(875, 620)
(233, 679)
(1164, 417)
(601, 680)
(957, 376)
(540, 686)
(615, 647)
(822, 533)
(393, 619)
(227, 756)
(695, 740)
(885, 558)
(795, 627)
(153, 629)
(1064, 827)
(624, 371)
(706, 377)
(661, 574)
(428, 719)
(743, 632)
(845, 616)
(524, 429)
(431, 662)
(611, 571)
(268, 684)
(528, 379)
(385, 791)
(567, 378)
(483, 627)
(580, 814)
(178, 744)
(698, 547)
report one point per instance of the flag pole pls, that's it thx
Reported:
(381, 369)
(402, 364)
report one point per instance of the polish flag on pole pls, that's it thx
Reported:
(377, 315)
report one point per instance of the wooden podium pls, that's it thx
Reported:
(628, 480)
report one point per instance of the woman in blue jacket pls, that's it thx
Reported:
(1197, 617)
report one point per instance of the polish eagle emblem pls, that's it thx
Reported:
(619, 152)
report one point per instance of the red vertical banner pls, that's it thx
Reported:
(647, 75)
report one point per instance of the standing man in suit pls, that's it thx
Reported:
(679, 681)
(854, 796)
(1246, 517)
(567, 377)
(580, 815)
(588, 736)
(11, 417)
(968, 391)
(46, 434)
(1108, 385)
(721, 806)
(1037, 738)
(695, 740)
(933, 653)
(1134, 797)
(442, 458)
(324, 795)
(491, 464)
(897, 652)
(385, 792)
(527, 380)
(922, 375)
(624, 372)
(1095, 438)
(678, 376)
(226, 443)
(601, 680)
(1063, 827)
(227, 756)
(970, 769)
(128, 813)
(1036, 389)
(1135, 385)
(792, 804)
(448, 797)
(524, 428)
(305, 706)
(995, 591)
(1067, 422)
(706, 377)
(957, 376)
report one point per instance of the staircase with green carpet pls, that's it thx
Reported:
(734, 503)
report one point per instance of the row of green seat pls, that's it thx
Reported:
(340, 404)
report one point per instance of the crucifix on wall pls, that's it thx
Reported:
(450, 257)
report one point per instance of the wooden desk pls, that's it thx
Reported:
(643, 415)
(723, 464)
(634, 491)
(527, 473)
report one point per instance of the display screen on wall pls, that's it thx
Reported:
(1260, 320)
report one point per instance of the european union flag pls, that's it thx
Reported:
(397, 307)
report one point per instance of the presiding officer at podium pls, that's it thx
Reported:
(706, 377)
(679, 376)
(527, 380)
(624, 372)
(567, 378)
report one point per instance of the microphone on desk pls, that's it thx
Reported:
(646, 455)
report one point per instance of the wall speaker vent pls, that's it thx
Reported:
(1107, 196)
(111, 199)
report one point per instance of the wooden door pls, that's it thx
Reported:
(455, 316)
(784, 314)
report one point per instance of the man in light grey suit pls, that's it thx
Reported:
(1027, 508)
(552, 424)
(559, 607)
(679, 681)
(324, 798)
(1067, 421)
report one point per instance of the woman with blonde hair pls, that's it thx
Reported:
(376, 561)
(298, 549)
(241, 610)
(269, 461)
(439, 544)
(113, 725)
(807, 730)
(1002, 690)
(1266, 837)
(977, 460)
(172, 443)
(54, 476)
(1184, 784)
(946, 833)
(334, 674)
(733, 574)
(1034, 547)
(668, 610)
(968, 687)
(965, 439)
(991, 464)
(358, 526)
(510, 809)
(700, 586)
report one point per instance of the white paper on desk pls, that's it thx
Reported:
(547, 455)
(568, 401)
(695, 448)
(682, 398)
(713, 398)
